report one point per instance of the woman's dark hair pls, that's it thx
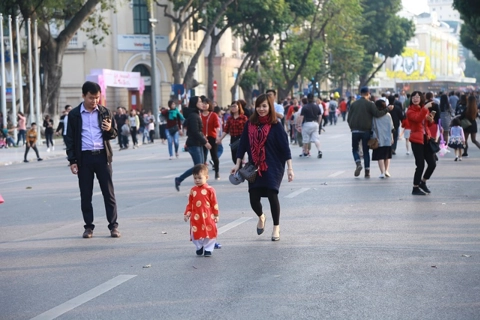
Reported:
(444, 104)
(381, 105)
(192, 102)
(429, 96)
(463, 100)
(422, 98)
(472, 109)
(455, 122)
(210, 105)
(239, 106)
(254, 118)
(391, 99)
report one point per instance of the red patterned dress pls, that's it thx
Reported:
(203, 207)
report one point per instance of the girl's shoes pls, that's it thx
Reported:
(276, 233)
(261, 224)
(456, 159)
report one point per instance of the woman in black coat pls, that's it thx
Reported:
(266, 143)
(195, 138)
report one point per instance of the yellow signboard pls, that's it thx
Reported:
(413, 64)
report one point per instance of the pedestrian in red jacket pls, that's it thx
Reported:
(419, 117)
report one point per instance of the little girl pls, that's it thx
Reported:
(406, 133)
(202, 210)
(457, 138)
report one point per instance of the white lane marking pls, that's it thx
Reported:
(232, 225)
(296, 193)
(14, 180)
(83, 298)
(93, 195)
(336, 174)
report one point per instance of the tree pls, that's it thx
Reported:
(191, 14)
(79, 14)
(472, 69)
(470, 32)
(383, 33)
(301, 39)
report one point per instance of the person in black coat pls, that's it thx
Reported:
(195, 137)
(397, 116)
(266, 143)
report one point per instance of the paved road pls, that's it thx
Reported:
(350, 248)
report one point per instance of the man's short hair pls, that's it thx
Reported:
(271, 91)
(364, 90)
(67, 106)
(33, 124)
(90, 87)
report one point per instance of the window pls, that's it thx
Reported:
(140, 17)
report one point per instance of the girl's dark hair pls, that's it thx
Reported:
(380, 103)
(254, 118)
(422, 98)
(170, 103)
(455, 122)
(444, 104)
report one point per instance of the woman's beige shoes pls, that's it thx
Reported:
(276, 233)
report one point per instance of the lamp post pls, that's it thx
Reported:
(2, 71)
(153, 72)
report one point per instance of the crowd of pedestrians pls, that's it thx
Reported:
(260, 138)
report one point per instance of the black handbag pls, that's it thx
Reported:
(235, 144)
(173, 130)
(249, 172)
(433, 145)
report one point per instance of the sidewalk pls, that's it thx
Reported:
(14, 155)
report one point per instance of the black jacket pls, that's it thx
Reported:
(73, 139)
(194, 126)
(397, 114)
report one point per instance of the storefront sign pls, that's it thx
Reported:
(141, 43)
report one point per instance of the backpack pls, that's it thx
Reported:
(332, 105)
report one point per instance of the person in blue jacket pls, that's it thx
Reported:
(266, 143)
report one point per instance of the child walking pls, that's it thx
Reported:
(406, 134)
(151, 130)
(457, 138)
(31, 142)
(202, 210)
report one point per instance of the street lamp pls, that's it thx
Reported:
(153, 72)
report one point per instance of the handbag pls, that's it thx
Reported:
(173, 130)
(235, 144)
(373, 141)
(433, 145)
(465, 123)
(249, 172)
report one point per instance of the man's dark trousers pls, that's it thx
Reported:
(95, 163)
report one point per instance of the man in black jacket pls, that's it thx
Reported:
(90, 127)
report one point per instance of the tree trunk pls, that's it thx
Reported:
(211, 57)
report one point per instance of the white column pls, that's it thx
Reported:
(12, 70)
(2, 71)
(38, 93)
(19, 67)
(30, 71)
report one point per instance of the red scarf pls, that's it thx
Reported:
(257, 136)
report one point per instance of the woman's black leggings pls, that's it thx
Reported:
(422, 154)
(272, 195)
(213, 153)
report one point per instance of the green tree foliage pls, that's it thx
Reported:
(470, 32)
(302, 48)
(69, 17)
(472, 69)
(383, 33)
